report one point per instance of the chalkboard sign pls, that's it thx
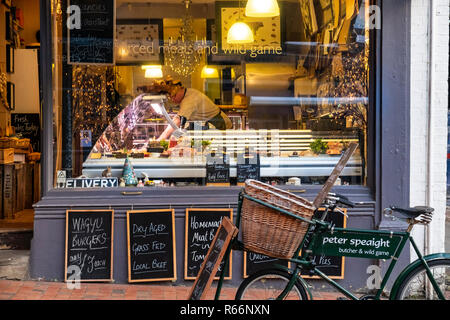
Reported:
(248, 167)
(151, 245)
(89, 245)
(218, 170)
(28, 125)
(333, 267)
(254, 262)
(219, 245)
(201, 226)
(91, 32)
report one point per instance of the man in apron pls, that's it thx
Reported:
(194, 106)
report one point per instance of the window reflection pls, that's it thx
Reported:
(294, 97)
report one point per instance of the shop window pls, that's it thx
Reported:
(152, 94)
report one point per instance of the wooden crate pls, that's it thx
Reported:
(8, 191)
(6, 156)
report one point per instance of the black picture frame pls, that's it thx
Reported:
(7, 3)
(11, 95)
(100, 34)
(10, 59)
(140, 22)
(8, 26)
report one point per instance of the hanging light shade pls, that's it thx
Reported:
(154, 72)
(210, 73)
(262, 8)
(240, 33)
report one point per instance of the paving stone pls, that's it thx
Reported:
(34, 290)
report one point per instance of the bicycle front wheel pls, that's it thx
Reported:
(268, 285)
(417, 286)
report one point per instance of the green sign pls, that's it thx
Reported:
(347, 243)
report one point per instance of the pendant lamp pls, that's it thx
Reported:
(240, 32)
(262, 8)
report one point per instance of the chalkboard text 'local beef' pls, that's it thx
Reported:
(89, 245)
(91, 31)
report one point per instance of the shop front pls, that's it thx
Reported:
(164, 109)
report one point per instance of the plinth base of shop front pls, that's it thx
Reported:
(48, 243)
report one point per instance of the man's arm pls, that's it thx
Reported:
(169, 130)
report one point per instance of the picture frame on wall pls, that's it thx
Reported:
(8, 26)
(9, 59)
(268, 33)
(7, 3)
(139, 41)
(11, 95)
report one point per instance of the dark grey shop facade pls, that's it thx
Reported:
(388, 174)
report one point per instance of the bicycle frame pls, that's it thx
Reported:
(317, 231)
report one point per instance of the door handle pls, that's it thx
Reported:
(138, 193)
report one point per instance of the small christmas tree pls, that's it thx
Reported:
(128, 173)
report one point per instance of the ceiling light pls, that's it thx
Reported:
(240, 33)
(262, 8)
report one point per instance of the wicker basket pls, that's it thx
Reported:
(268, 231)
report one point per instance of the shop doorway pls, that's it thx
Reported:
(20, 122)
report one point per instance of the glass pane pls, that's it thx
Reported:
(167, 94)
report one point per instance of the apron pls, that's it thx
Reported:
(219, 121)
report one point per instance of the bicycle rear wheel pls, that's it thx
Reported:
(417, 286)
(268, 285)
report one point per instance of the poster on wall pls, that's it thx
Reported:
(266, 31)
(91, 32)
(138, 41)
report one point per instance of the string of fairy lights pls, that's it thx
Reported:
(94, 98)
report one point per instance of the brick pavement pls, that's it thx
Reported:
(39, 290)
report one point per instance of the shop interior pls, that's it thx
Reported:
(20, 124)
(294, 85)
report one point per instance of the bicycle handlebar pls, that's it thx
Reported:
(341, 199)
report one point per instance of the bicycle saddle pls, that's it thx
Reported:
(421, 213)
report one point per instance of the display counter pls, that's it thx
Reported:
(160, 168)
(283, 154)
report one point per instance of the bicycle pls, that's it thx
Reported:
(426, 278)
